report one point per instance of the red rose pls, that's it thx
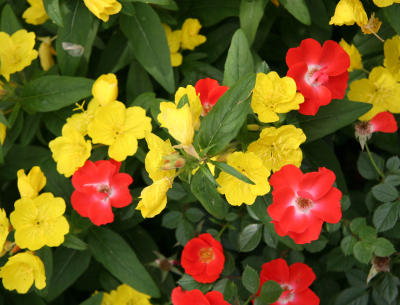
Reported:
(210, 92)
(294, 280)
(302, 202)
(320, 73)
(203, 258)
(98, 187)
(196, 297)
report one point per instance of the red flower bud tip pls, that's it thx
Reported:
(210, 92)
(180, 297)
(172, 161)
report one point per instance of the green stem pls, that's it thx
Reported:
(248, 300)
(373, 162)
(221, 231)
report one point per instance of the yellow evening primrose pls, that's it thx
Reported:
(35, 14)
(3, 132)
(380, 89)
(4, 228)
(392, 56)
(102, 9)
(126, 295)
(384, 3)
(70, 151)
(174, 44)
(273, 95)
(280, 146)
(349, 12)
(153, 198)
(80, 121)
(190, 34)
(46, 53)
(105, 89)
(119, 128)
(16, 52)
(39, 221)
(237, 191)
(354, 54)
(30, 185)
(194, 103)
(21, 271)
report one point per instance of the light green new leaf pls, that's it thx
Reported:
(250, 237)
(299, 10)
(52, 8)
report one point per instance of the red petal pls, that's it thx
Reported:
(315, 185)
(100, 213)
(203, 87)
(337, 85)
(192, 297)
(276, 270)
(298, 73)
(293, 221)
(288, 176)
(306, 297)
(312, 233)
(301, 277)
(383, 122)
(328, 208)
(81, 202)
(334, 58)
(216, 298)
(322, 95)
(216, 93)
(120, 196)
(309, 52)
(209, 239)
(282, 199)
(278, 229)
(309, 107)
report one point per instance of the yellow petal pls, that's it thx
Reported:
(190, 34)
(349, 12)
(105, 89)
(3, 131)
(154, 198)
(102, 9)
(354, 54)
(30, 185)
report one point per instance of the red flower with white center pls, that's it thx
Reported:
(210, 92)
(294, 280)
(302, 202)
(320, 73)
(196, 297)
(203, 258)
(98, 187)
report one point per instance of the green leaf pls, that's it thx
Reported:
(194, 214)
(353, 296)
(250, 14)
(69, 265)
(386, 215)
(184, 232)
(239, 60)
(171, 219)
(299, 10)
(223, 122)
(393, 163)
(383, 247)
(270, 237)
(232, 171)
(365, 167)
(53, 10)
(393, 180)
(270, 293)
(385, 192)
(189, 283)
(388, 288)
(94, 300)
(53, 92)
(210, 12)
(207, 173)
(357, 224)
(3, 119)
(156, 2)
(73, 242)
(114, 253)
(392, 14)
(258, 209)
(208, 195)
(9, 22)
(149, 42)
(363, 251)
(347, 244)
(250, 237)
(250, 279)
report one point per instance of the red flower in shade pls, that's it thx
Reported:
(98, 187)
(294, 280)
(210, 92)
(196, 297)
(302, 202)
(320, 73)
(203, 258)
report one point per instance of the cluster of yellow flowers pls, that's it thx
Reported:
(125, 295)
(38, 221)
(187, 38)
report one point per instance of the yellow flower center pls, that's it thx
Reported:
(206, 255)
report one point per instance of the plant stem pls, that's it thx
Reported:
(221, 231)
(373, 162)
(248, 300)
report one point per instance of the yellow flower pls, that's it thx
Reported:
(16, 52)
(46, 52)
(102, 9)
(4, 228)
(392, 56)
(277, 147)
(70, 151)
(35, 14)
(272, 95)
(349, 12)
(174, 44)
(119, 128)
(354, 54)
(384, 3)
(154, 198)
(190, 34)
(380, 89)
(39, 221)
(3, 132)
(80, 121)
(194, 103)
(109, 298)
(372, 26)
(125, 295)
(30, 185)
(21, 271)
(105, 89)
(179, 122)
(237, 191)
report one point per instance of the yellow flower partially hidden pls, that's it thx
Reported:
(349, 12)
(16, 52)
(237, 191)
(194, 103)
(70, 151)
(21, 271)
(154, 198)
(384, 3)
(30, 185)
(119, 128)
(380, 89)
(277, 147)
(102, 9)
(35, 14)
(3, 132)
(105, 89)
(354, 54)
(174, 44)
(190, 34)
(125, 295)
(273, 95)
(4, 228)
(46, 53)
(392, 56)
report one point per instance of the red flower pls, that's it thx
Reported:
(294, 281)
(98, 187)
(210, 92)
(203, 258)
(302, 202)
(320, 73)
(196, 297)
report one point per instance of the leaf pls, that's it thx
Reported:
(171, 219)
(232, 171)
(353, 296)
(393, 164)
(9, 22)
(53, 92)
(383, 247)
(347, 244)
(223, 122)
(114, 253)
(392, 15)
(184, 232)
(53, 10)
(388, 288)
(385, 192)
(363, 251)
(149, 42)
(386, 215)
(365, 167)
(239, 60)
(298, 9)
(189, 283)
(250, 14)
(270, 236)
(250, 237)
(94, 300)
(73, 242)
(250, 279)
(270, 293)
(210, 12)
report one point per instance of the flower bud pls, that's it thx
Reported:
(172, 161)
